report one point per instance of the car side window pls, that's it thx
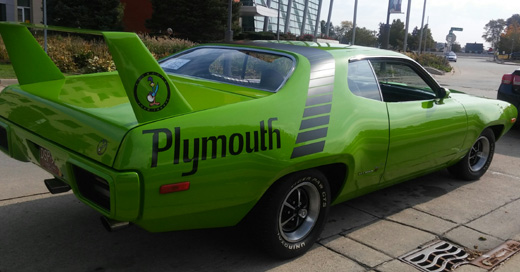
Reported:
(362, 81)
(400, 82)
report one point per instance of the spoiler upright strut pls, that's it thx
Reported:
(149, 89)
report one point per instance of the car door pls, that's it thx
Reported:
(426, 130)
(370, 126)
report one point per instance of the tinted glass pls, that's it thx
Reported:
(400, 82)
(240, 67)
(361, 80)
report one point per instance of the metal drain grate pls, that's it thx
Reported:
(497, 255)
(439, 256)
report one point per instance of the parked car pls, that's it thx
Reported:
(509, 89)
(515, 56)
(266, 134)
(451, 56)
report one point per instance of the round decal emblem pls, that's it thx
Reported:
(102, 147)
(152, 92)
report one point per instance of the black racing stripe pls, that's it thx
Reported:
(311, 101)
(311, 135)
(323, 65)
(309, 149)
(323, 73)
(315, 122)
(317, 110)
(321, 90)
(321, 81)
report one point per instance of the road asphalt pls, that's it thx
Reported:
(376, 232)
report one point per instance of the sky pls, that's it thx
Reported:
(471, 15)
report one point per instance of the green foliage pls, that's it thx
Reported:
(76, 55)
(7, 71)
(364, 37)
(163, 46)
(431, 60)
(91, 14)
(195, 20)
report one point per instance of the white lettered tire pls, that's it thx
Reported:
(292, 214)
(476, 162)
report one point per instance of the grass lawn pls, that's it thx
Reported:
(6, 71)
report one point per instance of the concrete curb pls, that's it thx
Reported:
(434, 71)
(9, 81)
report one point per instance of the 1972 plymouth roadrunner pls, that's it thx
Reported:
(272, 133)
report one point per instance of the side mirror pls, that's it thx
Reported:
(442, 93)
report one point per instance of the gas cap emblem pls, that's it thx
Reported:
(102, 147)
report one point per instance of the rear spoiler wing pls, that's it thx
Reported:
(150, 91)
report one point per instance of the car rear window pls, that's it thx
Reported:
(248, 68)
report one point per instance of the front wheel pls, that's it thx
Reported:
(475, 164)
(292, 214)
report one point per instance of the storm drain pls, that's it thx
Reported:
(497, 255)
(438, 256)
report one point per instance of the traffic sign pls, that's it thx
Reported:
(450, 38)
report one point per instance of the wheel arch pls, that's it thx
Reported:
(498, 131)
(336, 174)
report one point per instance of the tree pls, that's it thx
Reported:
(324, 34)
(196, 20)
(493, 30)
(396, 34)
(455, 47)
(342, 30)
(364, 37)
(92, 14)
(510, 40)
(512, 19)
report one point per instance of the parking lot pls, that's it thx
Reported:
(44, 232)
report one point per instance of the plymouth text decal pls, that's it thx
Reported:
(197, 149)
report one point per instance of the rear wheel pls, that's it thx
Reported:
(475, 164)
(292, 214)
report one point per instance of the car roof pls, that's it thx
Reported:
(310, 49)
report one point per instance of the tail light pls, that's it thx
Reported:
(516, 80)
(507, 79)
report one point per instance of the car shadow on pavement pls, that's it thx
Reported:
(59, 233)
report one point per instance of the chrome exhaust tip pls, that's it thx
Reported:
(113, 225)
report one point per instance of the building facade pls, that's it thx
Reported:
(296, 16)
(28, 11)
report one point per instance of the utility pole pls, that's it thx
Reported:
(317, 21)
(328, 19)
(229, 33)
(45, 25)
(354, 26)
(405, 44)
(278, 21)
(386, 38)
(422, 25)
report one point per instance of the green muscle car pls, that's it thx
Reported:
(270, 134)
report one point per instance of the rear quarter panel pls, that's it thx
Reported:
(254, 142)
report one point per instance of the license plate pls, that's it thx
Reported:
(47, 162)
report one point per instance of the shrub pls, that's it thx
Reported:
(76, 55)
(431, 60)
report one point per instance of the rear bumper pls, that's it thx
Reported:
(113, 193)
